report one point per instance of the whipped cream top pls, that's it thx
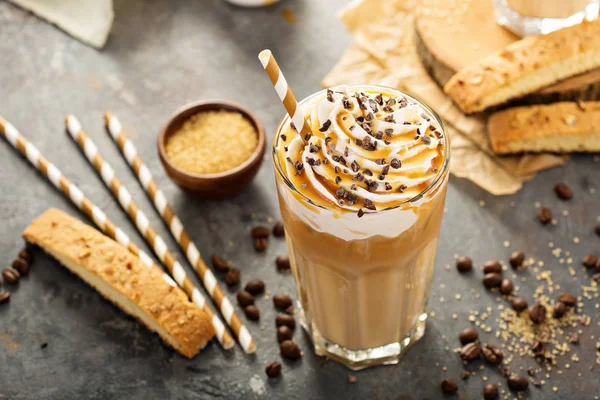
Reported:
(368, 150)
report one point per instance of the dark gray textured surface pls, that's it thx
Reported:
(161, 55)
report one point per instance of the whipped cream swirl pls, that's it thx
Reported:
(368, 151)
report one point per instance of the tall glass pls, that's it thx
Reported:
(362, 299)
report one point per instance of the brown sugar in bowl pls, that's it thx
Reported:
(214, 185)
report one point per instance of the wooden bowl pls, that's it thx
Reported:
(221, 184)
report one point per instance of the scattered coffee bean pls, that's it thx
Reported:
(538, 348)
(260, 244)
(285, 320)
(252, 312)
(219, 263)
(283, 263)
(517, 383)
(273, 370)
(563, 191)
(255, 287)
(470, 351)
(506, 287)
(519, 304)
(590, 261)
(284, 333)
(468, 335)
(559, 309)
(232, 277)
(21, 265)
(465, 375)
(490, 392)
(26, 255)
(43, 345)
(449, 386)
(278, 230)
(4, 297)
(492, 354)
(544, 215)
(282, 301)
(260, 232)
(492, 266)
(516, 259)
(244, 298)
(531, 371)
(537, 313)
(568, 299)
(290, 349)
(11, 275)
(492, 280)
(464, 264)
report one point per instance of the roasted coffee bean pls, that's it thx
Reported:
(260, 232)
(284, 333)
(492, 354)
(531, 371)
(470, 351)
(590, 261)
(468, 335)
(11, 275)
(252, 312)
(568, 299)
(219, 263)
(517, 383)
(255, 287)
(516, 259)
(538, 348)
(544, 215)
(290, 349)
(26, 255)
(283, 263)
(232, 277)
(506, 286)
(273, 370)
(449, 386)
(537, 313)
(519, 304)
(492, 266)
(490, 392)
(465, 375)
(4, 297)
(282, 301)
(464, 264)
(492, 280)
(21, 265)
(278, 230)
(244, 298)
(563, 191)
(285, 320)
(260, 244)
(559, 309)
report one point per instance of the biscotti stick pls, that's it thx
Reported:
(142, 222)
(122, 278)
(526, 66)
(179, 233)
(557, 128)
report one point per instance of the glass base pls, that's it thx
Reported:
(360, 359)
(523, 25)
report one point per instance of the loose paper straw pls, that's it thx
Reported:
(74, 194)
(285, 94)
(143, 225)
(177, 230)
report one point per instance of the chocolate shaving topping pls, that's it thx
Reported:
(359, 177)
(373, 105)
(330, 95)
(310, 161)
(402, 188)
(289, 160)
(391, 101)
(369, 117)
(325, 126)
(353, 187)
(327, 140)
(426, 139)
(379, 99)
(361, 103)
(346, 102)
(339, 193)
(371, 185)
(387, 142)
(355, 167)
(389, 118)
(336, 169)
(368, 172)
(338, 179)
(314, 148)
(346, 152)
(293, 126)
(380, 161)
(388, 186)
(366, 142)
(379, 135)
(307, 136)
(369, 205)
(385, 170)
(283, 137)
(395, 163)
(389, 132)
(360, 213)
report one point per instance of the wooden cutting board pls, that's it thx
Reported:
(452, 34)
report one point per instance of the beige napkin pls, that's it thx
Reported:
(383, 52)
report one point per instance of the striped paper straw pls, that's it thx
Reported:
(285, 94)
(143, 225)
(178, 231)
(53, 174)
